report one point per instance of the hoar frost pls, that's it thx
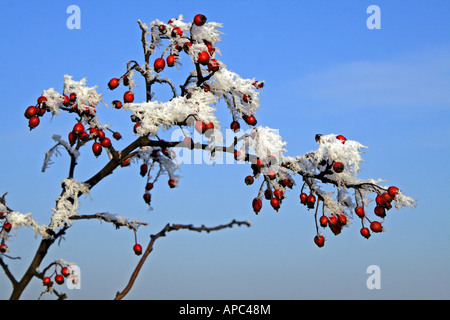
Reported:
(67, 204)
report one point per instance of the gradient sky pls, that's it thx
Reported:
(325, 72)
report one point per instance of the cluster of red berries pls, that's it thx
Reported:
(383, 203)
(336, 221)
(6, 227)
(33, 113)
(181, 42)
(144, 171)
(58, 277)
(276, 188)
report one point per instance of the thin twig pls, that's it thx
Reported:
(162, 233)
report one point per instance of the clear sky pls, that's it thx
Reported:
(325, 72)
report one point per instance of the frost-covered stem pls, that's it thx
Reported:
(162, 233)
(116, 223)
(172, 86)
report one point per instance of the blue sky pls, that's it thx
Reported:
(325, 72)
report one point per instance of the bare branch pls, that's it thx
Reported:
(162, 233)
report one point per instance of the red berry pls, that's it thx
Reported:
(113, 83)
(323, 221)
(137, 248)
(65, 271)
(78, 128)
(206, 87)
(278, 193)
(332, 221)
(41, 99)
(30, 112)
(249, 180)
(271, 174)
(246, 98)
(268, 194)
(338, 167)
(66, 100)
(342, 219)
(144, 169)
(33, 122)
(3, 248)
(93, 132)
(275, 203)
(159, 64)
(203, 58)
(200, 126)
(117, 135)
(47, 281)
(59, 279)
(235, 126)
(375, 226)
(187, 46)
(84, 136)
(177, 32)
(125, 162)
(381, 200)
(117, 104)
(310, 201)
(97, 149)
(128, 97)
(359, 212)
(209, 126)
(303, 198)
(365, 233)
(341, 138)
(162, 28)
(250, 120)
(258, 84)
(393, 191)
(106, 143)
(149, 186)
(172, 183)
(257, 205)
(72, 138)
(199, 20)
(188, 142)
(147, 197)
(136, 126)
(319, 240)
(73, 96)
(213, 65)
(171, 60)
(380, 211)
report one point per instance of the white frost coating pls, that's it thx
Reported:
(114, 218)
(87, 96)
(18, 219)
(226, 82)
(333, 149)
(155, 114)
(65, 208)
(267, 142)
(209, 32)
(54, 100)
(401, 200)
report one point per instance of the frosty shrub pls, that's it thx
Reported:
(326, 179)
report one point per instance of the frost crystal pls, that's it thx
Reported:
(67, 204)
(154, 115)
